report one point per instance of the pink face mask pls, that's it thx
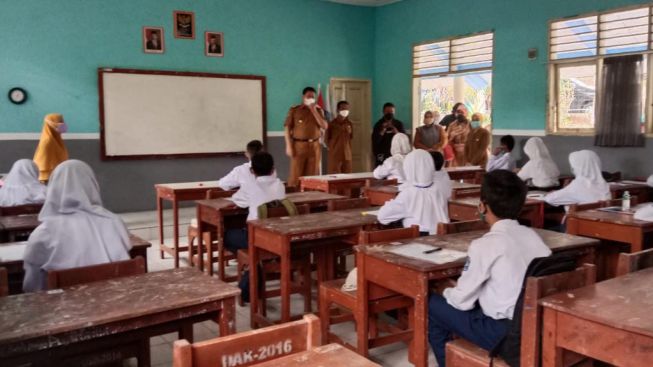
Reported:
(62, 128)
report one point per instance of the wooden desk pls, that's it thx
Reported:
(381, 271)
(12, 253)
(281, 235)
(48, 327)
(467, 209)
(20, 209)
(609, 226)
(610, 321)
(468, 173)
(223, 214)
(16, 225)
(342, 183)
(326, 355)
(634, 188)
(175, 193)
(379, 195)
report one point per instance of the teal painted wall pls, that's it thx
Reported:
(53, 48)
(519, 85)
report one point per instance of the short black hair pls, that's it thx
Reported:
(455, 107)
(388, 104)
(262, 164)
(308, 89)
(504, 192)
(341, 103)
(438, 160)
(254, 147)
(508, 141)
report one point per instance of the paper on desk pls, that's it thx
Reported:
(630, 182)
(371, 212)
(416, 251)
(13, 252)
(536, 195)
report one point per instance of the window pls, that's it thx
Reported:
(577, 48)
(450, 71)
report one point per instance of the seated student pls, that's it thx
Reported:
(650, 181)
(22, 185)
(441, 177)
(588, 185)
(242, 173)
(419, 202)
(75, 229)
(502, 157)
(540, 170)
(51, 150)
(478, 306)
(392, 167)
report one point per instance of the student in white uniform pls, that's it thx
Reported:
(540, 171)
(392, 167)
(588, 185)
(75, 229)
(242, 173)
(650, 181)
(479, 306)
(420, 202)
(22, 185)
(502, 157)
(441, 177)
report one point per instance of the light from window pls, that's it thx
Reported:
(457, 54)
(576, 96)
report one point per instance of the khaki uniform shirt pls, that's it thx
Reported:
(338, 139)
(302, 124)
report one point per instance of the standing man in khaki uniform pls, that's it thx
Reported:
(302, 133)
(338, 139)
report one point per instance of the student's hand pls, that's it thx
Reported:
(497, 151)
(443, 284)
(290, 152)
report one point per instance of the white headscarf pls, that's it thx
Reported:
(22, 185)
(588, 185)
(75, 230)
(400, 146)
(541, 168)
(392, 167)
(650, 181)
(644, 212)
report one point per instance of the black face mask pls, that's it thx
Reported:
(389, 117)
(461, 118)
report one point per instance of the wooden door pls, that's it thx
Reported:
(358, 94)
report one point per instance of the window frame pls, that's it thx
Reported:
(552, 115)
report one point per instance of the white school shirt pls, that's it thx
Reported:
(540, 170)
(392, 168)
(259, 191)
(495, 269)
(588, 186)
(236, 177)
(501, 161)
(650, 181)
(442, 180)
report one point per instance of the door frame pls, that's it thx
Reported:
(366, 117)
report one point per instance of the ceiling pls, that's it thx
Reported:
(365, 2)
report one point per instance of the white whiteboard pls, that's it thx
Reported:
(170, 114)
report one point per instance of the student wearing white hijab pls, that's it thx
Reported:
(420, 202)
(588, 185)
(75, 229)
(22, 185)
(392, 167)
(540, 170)
(650, 181)
(441, 178)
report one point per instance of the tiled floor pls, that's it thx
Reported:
(144, 224)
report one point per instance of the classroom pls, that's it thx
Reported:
(326, 183)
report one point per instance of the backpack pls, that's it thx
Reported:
(286, 203)
(509, 348)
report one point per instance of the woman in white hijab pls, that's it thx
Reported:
(420, 202)
(75, 229)
(22, 185)
(392, 167)
(540, 170)
(588, 185)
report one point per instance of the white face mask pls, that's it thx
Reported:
(429, 120)
(309, 101)
(62, 128)
(344, 113)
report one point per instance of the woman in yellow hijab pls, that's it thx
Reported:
(51, 150)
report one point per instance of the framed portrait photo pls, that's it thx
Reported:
(184, 24)
(213, 44)
(153, 42)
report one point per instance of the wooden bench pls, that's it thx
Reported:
(629, 263)
(4, 282)
(251, 347)
(20, 209)
(461, 353)
(95, 273)
(462, 226)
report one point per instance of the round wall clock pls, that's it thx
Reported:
(17, 95)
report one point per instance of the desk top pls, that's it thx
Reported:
(610, 217)
(48, 313)
(326, 355)
(19, 222)
(628, 185)
(623, 302)
(464, 169)
(394, 189)
(316, 222)
(362, 176)
(200, 185)
(460, 242)
(298, 198)
(475, 200)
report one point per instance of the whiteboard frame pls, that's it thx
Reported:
(105, 70)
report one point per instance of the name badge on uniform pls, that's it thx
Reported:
(300, 121)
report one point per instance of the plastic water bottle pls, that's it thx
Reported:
(625, 202)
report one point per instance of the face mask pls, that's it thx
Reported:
(428, 121)
(460, 117)
(62, 128)
(309, 101)
(344, 113)
(476, 124)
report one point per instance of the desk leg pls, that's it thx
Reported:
(253, 276)
(159, 210)
(572, 226)
(551, 353)
(285, 281)
(361, 314)
(638, 241)
(227, 319)
(420, 323)
(175, 213)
